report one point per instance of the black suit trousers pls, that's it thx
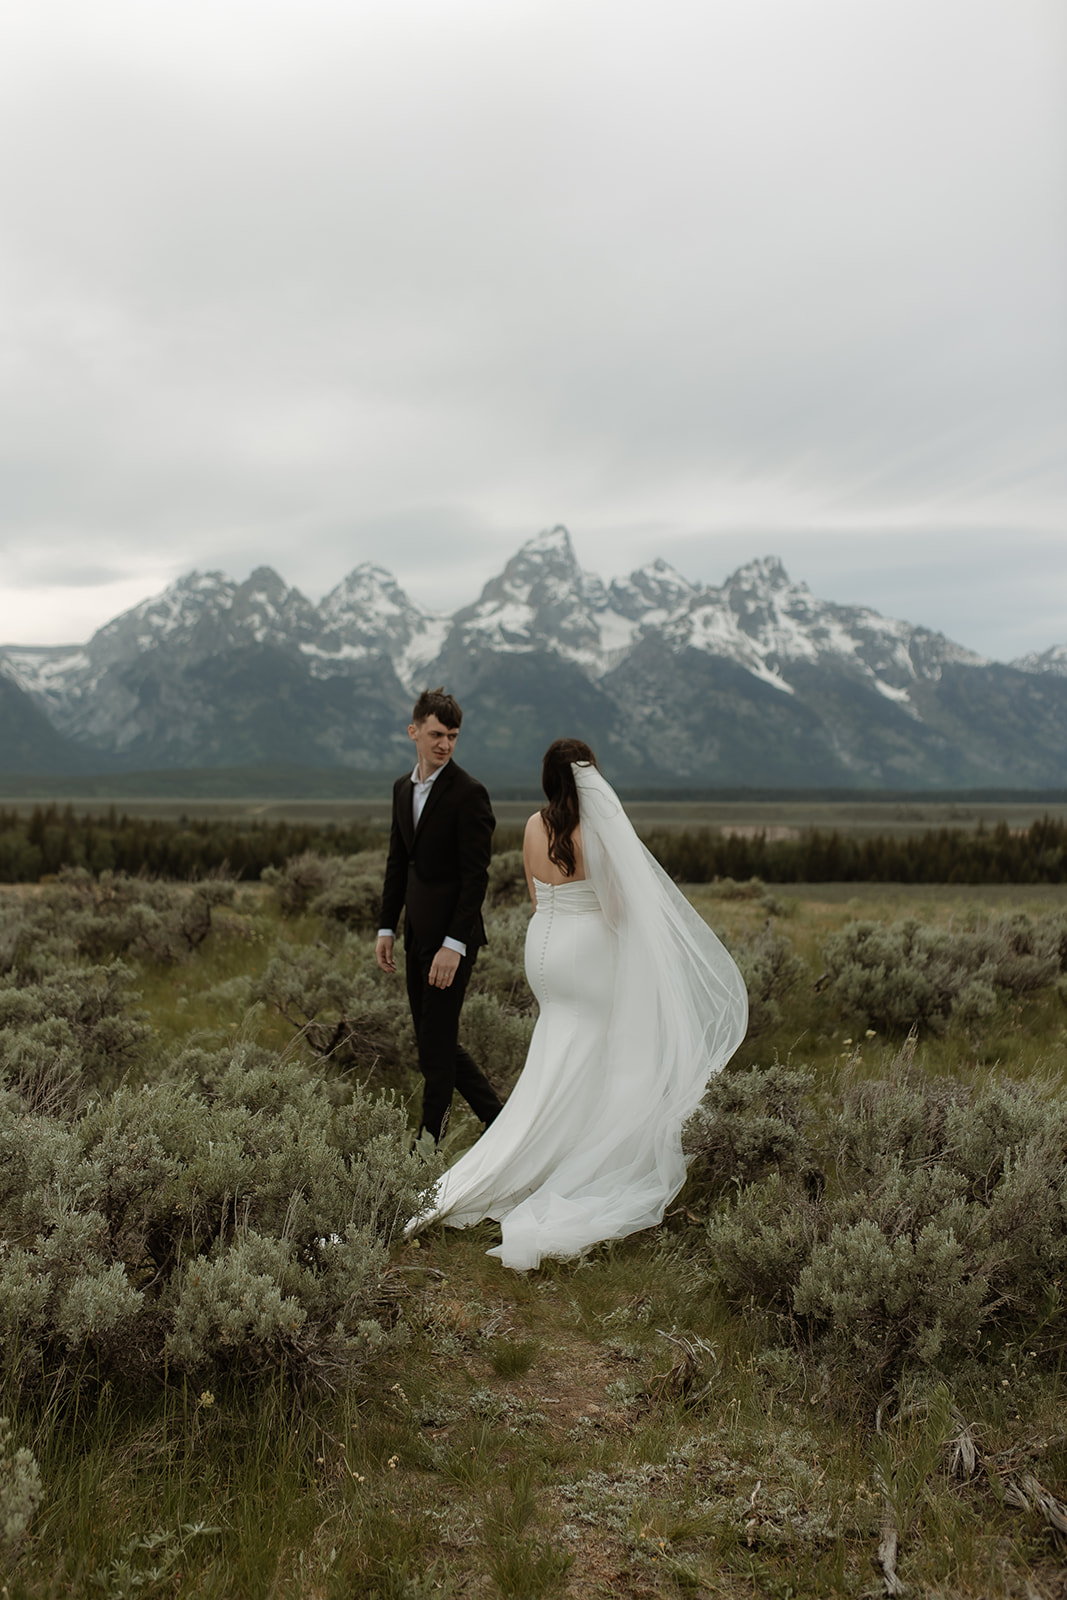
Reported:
(443, 1061)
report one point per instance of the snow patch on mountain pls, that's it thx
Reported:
(370, 611)
(769, 625)
(653, 590)
(1052, 660)
(181, 606)
(544, 601)
(43, 671)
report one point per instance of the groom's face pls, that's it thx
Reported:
(433, 742)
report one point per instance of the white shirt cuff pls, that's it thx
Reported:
(387, 933)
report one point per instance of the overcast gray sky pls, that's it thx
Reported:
(312, 282)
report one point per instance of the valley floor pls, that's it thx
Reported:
(609, 1427)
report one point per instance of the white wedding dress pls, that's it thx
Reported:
(639, 1005)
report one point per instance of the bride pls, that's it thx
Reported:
(639, 1005)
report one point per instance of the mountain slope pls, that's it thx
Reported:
(28, 741)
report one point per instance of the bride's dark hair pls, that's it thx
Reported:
(560, 816)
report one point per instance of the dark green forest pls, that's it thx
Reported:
(53, 837)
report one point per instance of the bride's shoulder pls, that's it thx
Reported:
(535, 825)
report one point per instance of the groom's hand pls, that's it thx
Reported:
(383, 953)
(443, 968)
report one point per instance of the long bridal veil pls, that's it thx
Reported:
(679, 1011)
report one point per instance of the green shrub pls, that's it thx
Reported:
(67, 1031)
(172, 1229)
(944, 1222)
(749, 1123)
(507, 881)
(20, 1487)
(337, 1001)
(296, 883)
(500, 970)
(759, 1246)
(771, 970)
(354, 896)
(904, 975)
(344, 889)
(114, 915)
(497, 1037)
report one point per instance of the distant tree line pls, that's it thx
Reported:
(1037, 854)
(50, 838)
(185, 848)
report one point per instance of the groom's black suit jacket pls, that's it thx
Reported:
(439, 871)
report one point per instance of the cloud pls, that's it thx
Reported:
(318, 283)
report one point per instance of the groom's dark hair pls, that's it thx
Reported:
(436, 703)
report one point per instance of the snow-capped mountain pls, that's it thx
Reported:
(201, 614)
(770, 626)
(543, 602)
(369, 614)
(755, 681)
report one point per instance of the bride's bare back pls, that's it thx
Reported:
(535, 856)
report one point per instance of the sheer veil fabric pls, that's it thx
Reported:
(640, 1006)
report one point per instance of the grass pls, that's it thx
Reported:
(597, 1428)
(579, 1475)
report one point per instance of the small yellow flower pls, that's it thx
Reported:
(206, 1398)
(393, 1463)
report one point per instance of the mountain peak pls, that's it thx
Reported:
(549, 541)
(367, 582)
(1053, 660)
(370, 601)
(656, 586)
(265, 581)
(368, 613)
(189, 597)
(195, 582)
(265, 607)
(542, 596)
(765, 572)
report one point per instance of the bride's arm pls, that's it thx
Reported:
(534, 831)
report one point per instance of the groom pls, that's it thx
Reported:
(438, 870)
